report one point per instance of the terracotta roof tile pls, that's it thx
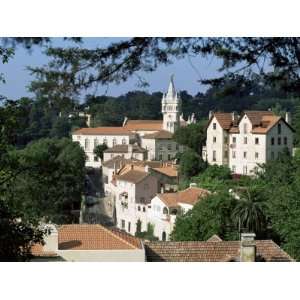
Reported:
(160, 135)
(94, 237)
(103, 131)
(146, 125)
(170, 171)
(133, 176)
(188, 196)
(224, 119)
(221, 251)
(119, 161)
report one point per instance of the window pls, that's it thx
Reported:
(225, 154)
(245, 154)
(233, 154)
(86, 144)
(114, 142)
(225, 139)
(139, 208)
(144, 209)
(214, 126)
(214, 155)
(105, 141)
(272, 141)
(285, 140)
(96, 158)
(169, 147)
(214, 139)
(124, 141)
(160, 157)
(129, 225)
(245, 171)
(169, 156)
(234, 140)
(245, 140)
(272, 155)
(279, 141)
(279, 128)
(78, 137)
(256, 155)
(160, 147)
(165, 211)
(233, 169)
(256, 141)
(123, 224)
(245, 126)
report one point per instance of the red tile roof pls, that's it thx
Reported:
(188, 196)
(133, 176)
(211, 251)
(94, 237)
(159, 135)
(103, 131)
(144, 125)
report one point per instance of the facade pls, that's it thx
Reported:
(153, 135)
(243, 143)
(166, 206)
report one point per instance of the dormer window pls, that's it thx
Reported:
(214, 126)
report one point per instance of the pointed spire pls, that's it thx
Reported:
(171, 90)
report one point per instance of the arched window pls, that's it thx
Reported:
(173, 211)
(165, 211)
(124, 141)
(105, 141)
(164, 236)
(114, 142)
(86, 144)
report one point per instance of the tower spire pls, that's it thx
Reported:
(171, 90)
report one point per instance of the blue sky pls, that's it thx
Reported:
(187, 72)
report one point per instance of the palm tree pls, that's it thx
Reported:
(249, 213)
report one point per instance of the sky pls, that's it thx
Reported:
(187, 72)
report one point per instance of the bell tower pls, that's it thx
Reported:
(171, 108)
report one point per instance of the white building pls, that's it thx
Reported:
(242, 143)
(153, 135)
(165, 207)
(129, 151)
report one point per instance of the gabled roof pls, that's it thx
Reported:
(94, 237)
(103, 131)
(170, 171)
(133, 176)
(118, 161)
(255, 116)
(143, 125)
(190, 196)
(159, 135)
(211, 251)
(125, 149)
(224, 119)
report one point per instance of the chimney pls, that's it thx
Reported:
(233, 116)
(192, 185)
(51, 238)
(210, 114)
(288, 117)
(248, 247)
(125, 121)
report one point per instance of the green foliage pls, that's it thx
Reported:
(209, 216)
(190, 164)
(52, 180)
(99, 149)
(146, 235)
(192, 136)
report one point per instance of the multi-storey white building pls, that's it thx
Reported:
(243, 143)
(153, 135)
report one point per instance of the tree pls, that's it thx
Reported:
(146, 235)
(99, 149)
(190, 164)
(250, 211)
(52, 180)
(211, 215)
(192, 136)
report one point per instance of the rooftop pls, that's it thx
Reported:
(211, 251)
(162, 134)
(146, 125)
(190, 196)
(102, 131)
(133, 176)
